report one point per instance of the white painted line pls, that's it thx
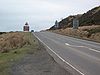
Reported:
(72, 45)
(94, 50)
(83, 47)
(67, 44)
(60, 56)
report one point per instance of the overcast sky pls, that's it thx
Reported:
(41, 14)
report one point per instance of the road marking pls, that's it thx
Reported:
(67, 44)
(94, 50)
(59, 56)
(83, 47)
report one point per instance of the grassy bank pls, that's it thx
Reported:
(91, 33)
(14, 54)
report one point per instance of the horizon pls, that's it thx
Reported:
(39, 14)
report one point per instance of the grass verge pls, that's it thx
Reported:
(7, 59)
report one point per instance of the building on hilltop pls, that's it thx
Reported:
(26, 27)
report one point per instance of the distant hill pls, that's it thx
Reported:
(92, 17)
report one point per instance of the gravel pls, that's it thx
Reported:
(38, 63)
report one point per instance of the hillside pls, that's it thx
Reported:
(92, 17)
(89, 23)
(67, 22)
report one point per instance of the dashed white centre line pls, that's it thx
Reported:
(83, 47)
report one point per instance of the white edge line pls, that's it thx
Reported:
(83, 47)
(59, 56)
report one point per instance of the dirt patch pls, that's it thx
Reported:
(39, 63)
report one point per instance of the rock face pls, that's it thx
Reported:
(92, 17)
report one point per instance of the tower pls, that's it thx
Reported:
(56, 24)
(26, 27)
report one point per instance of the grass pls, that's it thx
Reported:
(93, 31)
(7, 59)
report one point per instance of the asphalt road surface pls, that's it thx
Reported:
(82, 56)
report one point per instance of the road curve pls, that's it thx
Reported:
(81, 55)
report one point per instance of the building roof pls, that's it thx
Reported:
(26, 23)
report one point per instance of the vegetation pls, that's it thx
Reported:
(93, 31)
(16, 46)
(65, 23)
(2, 33)
(89, 25)
(92, 17)
(85, 32)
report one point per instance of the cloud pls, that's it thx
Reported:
(41, 13)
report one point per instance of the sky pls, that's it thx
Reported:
(40, 14)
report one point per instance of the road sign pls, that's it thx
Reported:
(75, 23)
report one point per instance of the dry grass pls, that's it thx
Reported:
(11, 41)
(18, 45)
(84, 32)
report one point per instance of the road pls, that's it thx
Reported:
(81, 56)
